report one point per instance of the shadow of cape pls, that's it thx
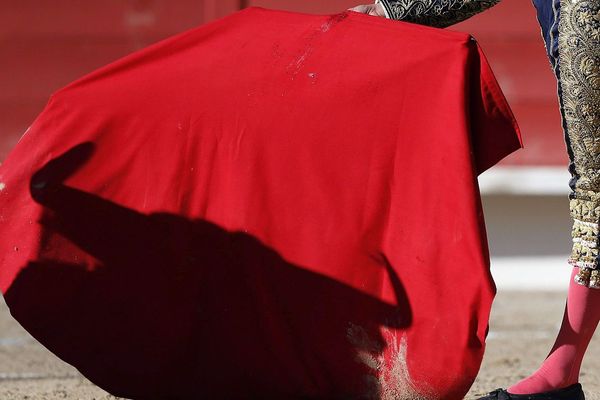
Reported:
(161, 306)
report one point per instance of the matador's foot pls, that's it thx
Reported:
(573, 392)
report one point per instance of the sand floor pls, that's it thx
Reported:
(523, 327)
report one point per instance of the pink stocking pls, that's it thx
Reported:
(561, 367)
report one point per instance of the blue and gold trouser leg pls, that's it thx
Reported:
(571, 30)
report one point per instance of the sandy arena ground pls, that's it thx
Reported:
(523, 327)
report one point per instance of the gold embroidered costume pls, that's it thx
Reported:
(579, 83)
(572, 39)
(438, 13)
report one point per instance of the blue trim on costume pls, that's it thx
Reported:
(548, 15)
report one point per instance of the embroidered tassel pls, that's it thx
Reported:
(595, 279)
(583, 276)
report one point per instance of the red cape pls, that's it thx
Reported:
(273, 205)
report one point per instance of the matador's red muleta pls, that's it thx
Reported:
(274, 205)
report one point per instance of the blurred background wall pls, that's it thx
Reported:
(46, 44)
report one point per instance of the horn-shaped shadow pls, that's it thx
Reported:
(160, 306)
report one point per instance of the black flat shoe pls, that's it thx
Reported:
(573, 392)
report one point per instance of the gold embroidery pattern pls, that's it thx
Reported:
(579, 65)
(438, 13)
